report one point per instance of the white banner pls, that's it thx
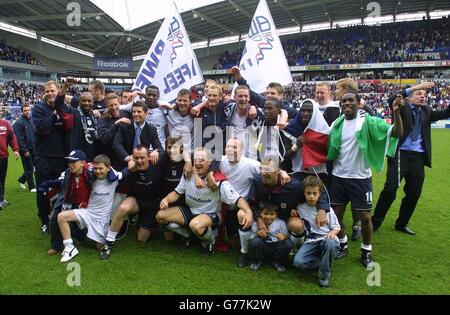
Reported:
(170, 63)
(263, 60)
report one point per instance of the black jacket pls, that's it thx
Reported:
(286, 197)
(427, 116)
(73, 126)
(124, 140)
(50, 137)
(107, 130)
(24, 131)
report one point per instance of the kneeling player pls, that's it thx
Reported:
(201, 213)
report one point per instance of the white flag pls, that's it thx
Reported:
(170, 63)
(263, 60)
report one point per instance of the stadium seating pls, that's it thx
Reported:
(406, 41)
(10, 53)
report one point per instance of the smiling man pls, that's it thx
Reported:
(80, 124)
(358, 142)
(201, 213)
(144, 181)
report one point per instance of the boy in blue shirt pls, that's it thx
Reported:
(321, 243)
(271, 241)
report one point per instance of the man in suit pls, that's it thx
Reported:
(413, 151)
(138, 133)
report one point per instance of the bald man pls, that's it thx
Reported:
(80, 124)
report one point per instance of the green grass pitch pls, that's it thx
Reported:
(409, 265)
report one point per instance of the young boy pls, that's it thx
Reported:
(321, 243)
(76, 184)
(271, 242)
(98, 213)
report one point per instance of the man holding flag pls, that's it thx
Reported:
(358, 142)
(309, 131)
(262, 54)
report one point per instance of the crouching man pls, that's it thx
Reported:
(200, 215)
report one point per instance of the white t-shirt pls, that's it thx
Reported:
(158, 119)
(239, 125)
(204, 200)
(240, 175)
(297, 165)
(350, 162)
(101, 199)
(309, 214)
(181, 126)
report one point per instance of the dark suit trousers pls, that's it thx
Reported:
(28, 171)
(47, 168)
(3, 169)
(412, 170)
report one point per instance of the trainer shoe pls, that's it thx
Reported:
(6, 203)
(208, 248)
(52, 252)
(22, 185)
(324, 282)
(45, 230)
(278, 266)
(255, 266)
(185, 243)
(366, 258)
(33, 190)
(105, 253)
(342, 252)
(69, 254)
(242, 261)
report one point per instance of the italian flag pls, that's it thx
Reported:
(373, 136)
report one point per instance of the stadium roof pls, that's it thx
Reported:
(100, 34)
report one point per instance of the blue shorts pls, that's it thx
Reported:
(358, 191)
(188, 216)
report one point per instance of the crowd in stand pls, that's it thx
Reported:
(15, 94)
(407, 41)
(10, 53)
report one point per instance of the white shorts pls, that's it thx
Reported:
(97, 229)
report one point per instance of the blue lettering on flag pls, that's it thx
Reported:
(178, 77)
(147, 74)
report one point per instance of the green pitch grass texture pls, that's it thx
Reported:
(408, 264)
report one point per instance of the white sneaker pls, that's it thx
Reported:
(23, 186)
(33, 190)
(69, 254)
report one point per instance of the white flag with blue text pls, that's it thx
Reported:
(170, 63)
(263, 60)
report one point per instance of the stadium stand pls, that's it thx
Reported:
(10, 53)
(408, 41)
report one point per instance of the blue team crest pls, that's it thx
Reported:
(174, 173)
(175, 38)
(283, 205)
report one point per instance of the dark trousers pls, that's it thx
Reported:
(28, 171)
(259, 250)
(56, 239)
(3, 169)
(47, 168)
(412, 170)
